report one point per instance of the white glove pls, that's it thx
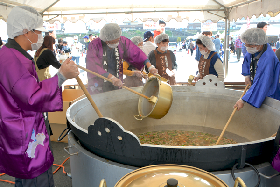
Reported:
(137, 74)
(116, 81)
(153, 70)
(170, 73)
(69, 69)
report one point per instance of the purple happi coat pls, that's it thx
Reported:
(276, 152)
(94, 61)
(24, 141)
(276, 161)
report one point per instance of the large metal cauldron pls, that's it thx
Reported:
(205, 107)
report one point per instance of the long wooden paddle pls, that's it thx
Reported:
(222, 134)
(152, 99)
(88, 96)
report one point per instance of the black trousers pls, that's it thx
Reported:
(43, 180)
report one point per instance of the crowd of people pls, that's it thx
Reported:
(28, 91)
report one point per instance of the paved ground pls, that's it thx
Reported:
(187, 65)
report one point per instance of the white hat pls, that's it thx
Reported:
(23, 19)
(161, 37)
(136, 40)
(207, 42)
(110, 31)
(254, 36)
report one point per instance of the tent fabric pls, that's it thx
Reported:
(179, 17)
(271, 7)
(7, 5)
(201, 10)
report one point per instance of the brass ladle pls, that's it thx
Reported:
(152, 99)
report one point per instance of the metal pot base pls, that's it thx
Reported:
(88, 169)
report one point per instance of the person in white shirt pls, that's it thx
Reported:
(76, 49)
(149, 42)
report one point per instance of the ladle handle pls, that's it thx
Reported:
(88, 96)
(142, 95)
(98, 75)
(233, 112)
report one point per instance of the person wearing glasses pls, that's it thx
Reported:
(261, 69)
(25, 150)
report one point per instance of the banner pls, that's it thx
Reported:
(150, 25)
(78, 27)
(54, 26)
(208, 26)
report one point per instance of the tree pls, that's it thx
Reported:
(178, 39)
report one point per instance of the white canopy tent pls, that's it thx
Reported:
(111, 10)
(201, 10)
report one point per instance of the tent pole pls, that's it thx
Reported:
(226, 43)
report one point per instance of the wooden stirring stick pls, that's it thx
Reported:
(151, 99)
(273, 135)
(88, 96)
(222, 134)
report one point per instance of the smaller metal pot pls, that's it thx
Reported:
(170, 176)
(162, 91)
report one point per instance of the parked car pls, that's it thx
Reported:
(172, 46)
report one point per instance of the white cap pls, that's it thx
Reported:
(254, 36)
(136, 40)
(110, 31)
(23, 19)
(207, 42)
(161, 37)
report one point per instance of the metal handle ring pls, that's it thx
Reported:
(102, 183)
(71, 154)
(239, 181)
(60, 138)
(159, 78)
(138, 117)
(257, 172)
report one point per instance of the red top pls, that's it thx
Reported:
(156, 33)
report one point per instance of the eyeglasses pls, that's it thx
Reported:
(251, 45)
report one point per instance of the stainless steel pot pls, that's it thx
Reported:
(201, 108)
